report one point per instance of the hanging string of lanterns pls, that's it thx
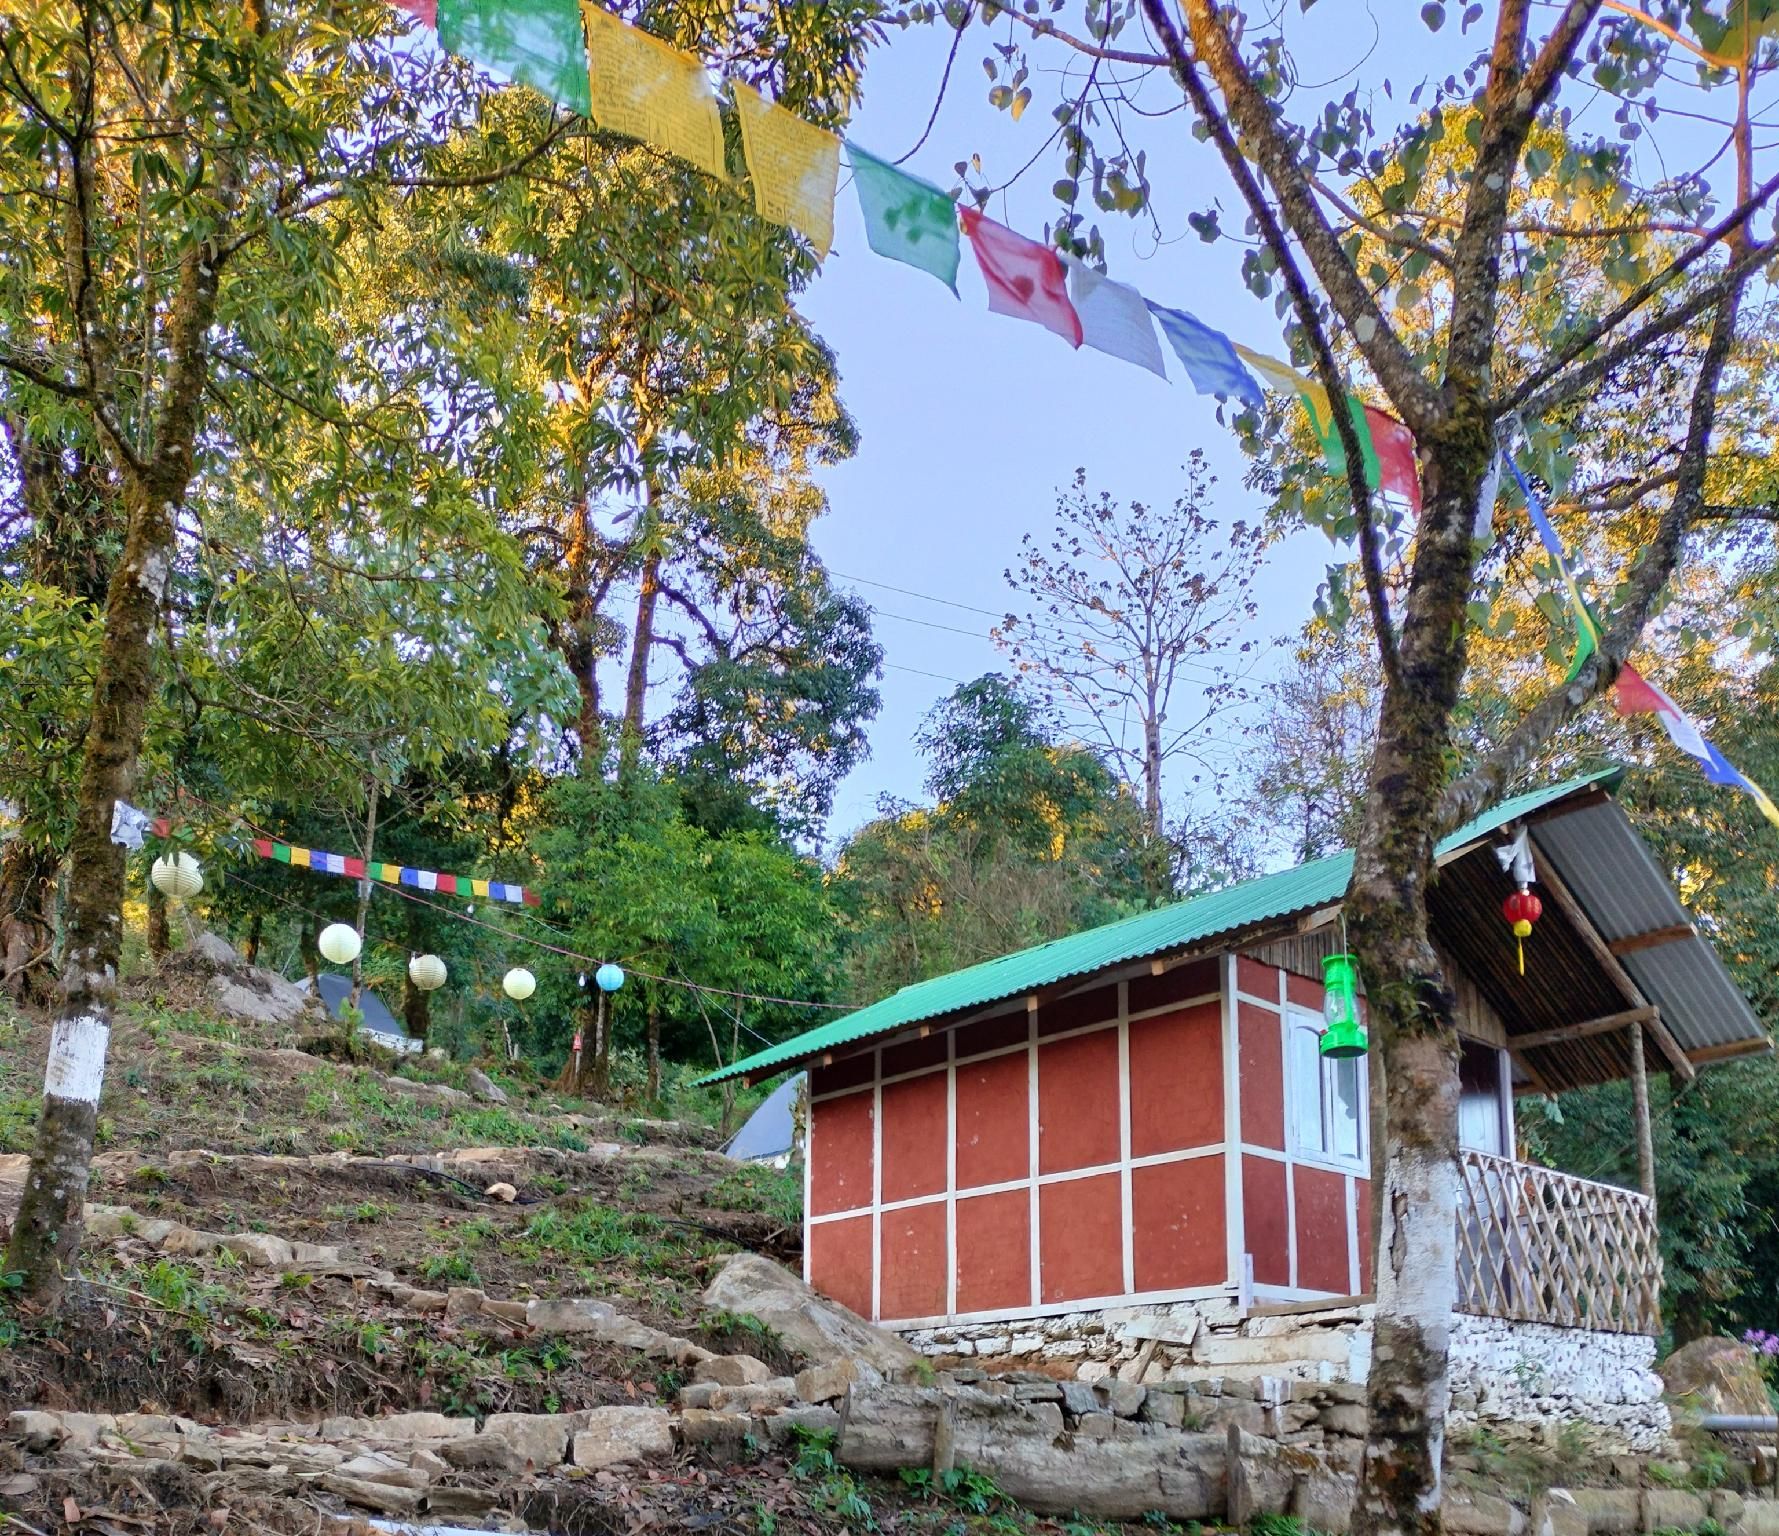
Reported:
(177, 876)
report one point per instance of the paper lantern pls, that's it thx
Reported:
(339, 943)
(1345, 1035)
(427, 972)
(1522, 909)
(609, 977)
(178, 876)
(519, 984)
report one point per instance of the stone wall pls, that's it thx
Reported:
(1514, 1380)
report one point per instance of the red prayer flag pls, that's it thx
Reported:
(448, 884)
(1025, 279)
(1632, 695)
(351, 867)
(421, 10)
(532, 899)
(1394, 444)
(263, 847)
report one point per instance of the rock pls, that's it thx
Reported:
(463, 1301)
(260, 1249)
(1475, 1513)
(186, 1240)
(37, 1432)
(461, 1502)
(779, 1427)
(398, 1427)
(382, 1467)
(502, 1191)
(1609, 1511)
(1123, 1398)
(483, 1087)
(1182, 1476)
(762, 1397)
(361, 1491)
(1716, 1375)
(825, 1383)
(1267, 1478)
(616, 1436)
(1344, 1419)
(211, 952)
(722, 1436)
(739, 1371)
(417, 1300)
(538, 1438)
(809, 1323)
(1673, 1508)
(507, 1311)
(255, 996)
(1079, 1398)
(1164, 1408)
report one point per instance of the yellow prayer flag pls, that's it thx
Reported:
(1288, 381)
(478, 887)
(300, 857)
(795, 167)
(645, 89)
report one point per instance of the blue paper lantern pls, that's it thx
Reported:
(609, 977)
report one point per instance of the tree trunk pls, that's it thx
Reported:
(311, 956)
(255, 933)
(597, 1067)
(636, 687)
(364, 892)
(27, 921)
(51, 1218)
(653, 1091)
(160, 931)
(416, 1011)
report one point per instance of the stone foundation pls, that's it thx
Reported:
(1513, 1380)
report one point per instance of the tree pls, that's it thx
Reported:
(1129, 608)
(1459, 384)
(1030, 837)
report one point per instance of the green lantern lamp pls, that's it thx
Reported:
(1344, 1035)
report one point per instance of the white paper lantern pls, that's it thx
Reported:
(427, 972)
(519, 984)
(178, 877)
(339, 943)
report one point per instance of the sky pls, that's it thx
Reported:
(971, 422)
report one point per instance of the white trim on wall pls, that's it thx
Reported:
(1060, 1308)
(1235, 1225)
(1127, 1231)
(1288, 1107)
(877, 1189)
(1034, 1235)
(951, 1170)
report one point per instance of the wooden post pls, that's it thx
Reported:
(1640, 1097)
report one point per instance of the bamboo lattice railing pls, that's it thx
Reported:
(1535, 1245)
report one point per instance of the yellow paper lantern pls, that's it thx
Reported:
(519, 984)
(339, 943)
(427, 972)
(178, 876)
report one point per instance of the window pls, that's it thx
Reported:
(1328, 1106)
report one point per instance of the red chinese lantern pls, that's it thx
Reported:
(1522, 909)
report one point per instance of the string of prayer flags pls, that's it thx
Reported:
(1114, 318)
(1393, 445)
(642, 88)
(1633, 694)
(794, 167)
(390, 874)
(906, 219)
(1587, 624)
(534, 42)
(1025, 279)
(1207, 356)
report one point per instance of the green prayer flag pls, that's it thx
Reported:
(281, 852)
(534, 42)
(1333, 450)
(906, 219)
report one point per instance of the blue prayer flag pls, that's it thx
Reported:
(1208, 356)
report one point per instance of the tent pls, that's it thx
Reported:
(771, 1134)
(379, 1023)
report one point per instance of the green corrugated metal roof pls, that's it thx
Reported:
(1167, 928)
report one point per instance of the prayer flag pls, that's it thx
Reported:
(410, 877)
(421, 10)
(534, 42)
(1208, 357)
(478, 887)
(428, 880)
(646, 90)
(448, 884)
(1025, 279)
(281, 852)
(354, 868)
(1399, 472)
(1587, 625)
(1633, 694)
(1287, 380)
(1114, 319)
(299, 858)
(263, 847)
(793, 165)
(906, 219)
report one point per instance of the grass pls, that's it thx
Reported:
(775, 1192)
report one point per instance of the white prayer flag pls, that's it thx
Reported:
(1114, 318)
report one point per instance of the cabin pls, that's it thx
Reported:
(1128, 1145)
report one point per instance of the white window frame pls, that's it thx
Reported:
(1303, 1019)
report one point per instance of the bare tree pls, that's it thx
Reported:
(1138, 621)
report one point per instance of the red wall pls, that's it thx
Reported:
(922, 1198)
